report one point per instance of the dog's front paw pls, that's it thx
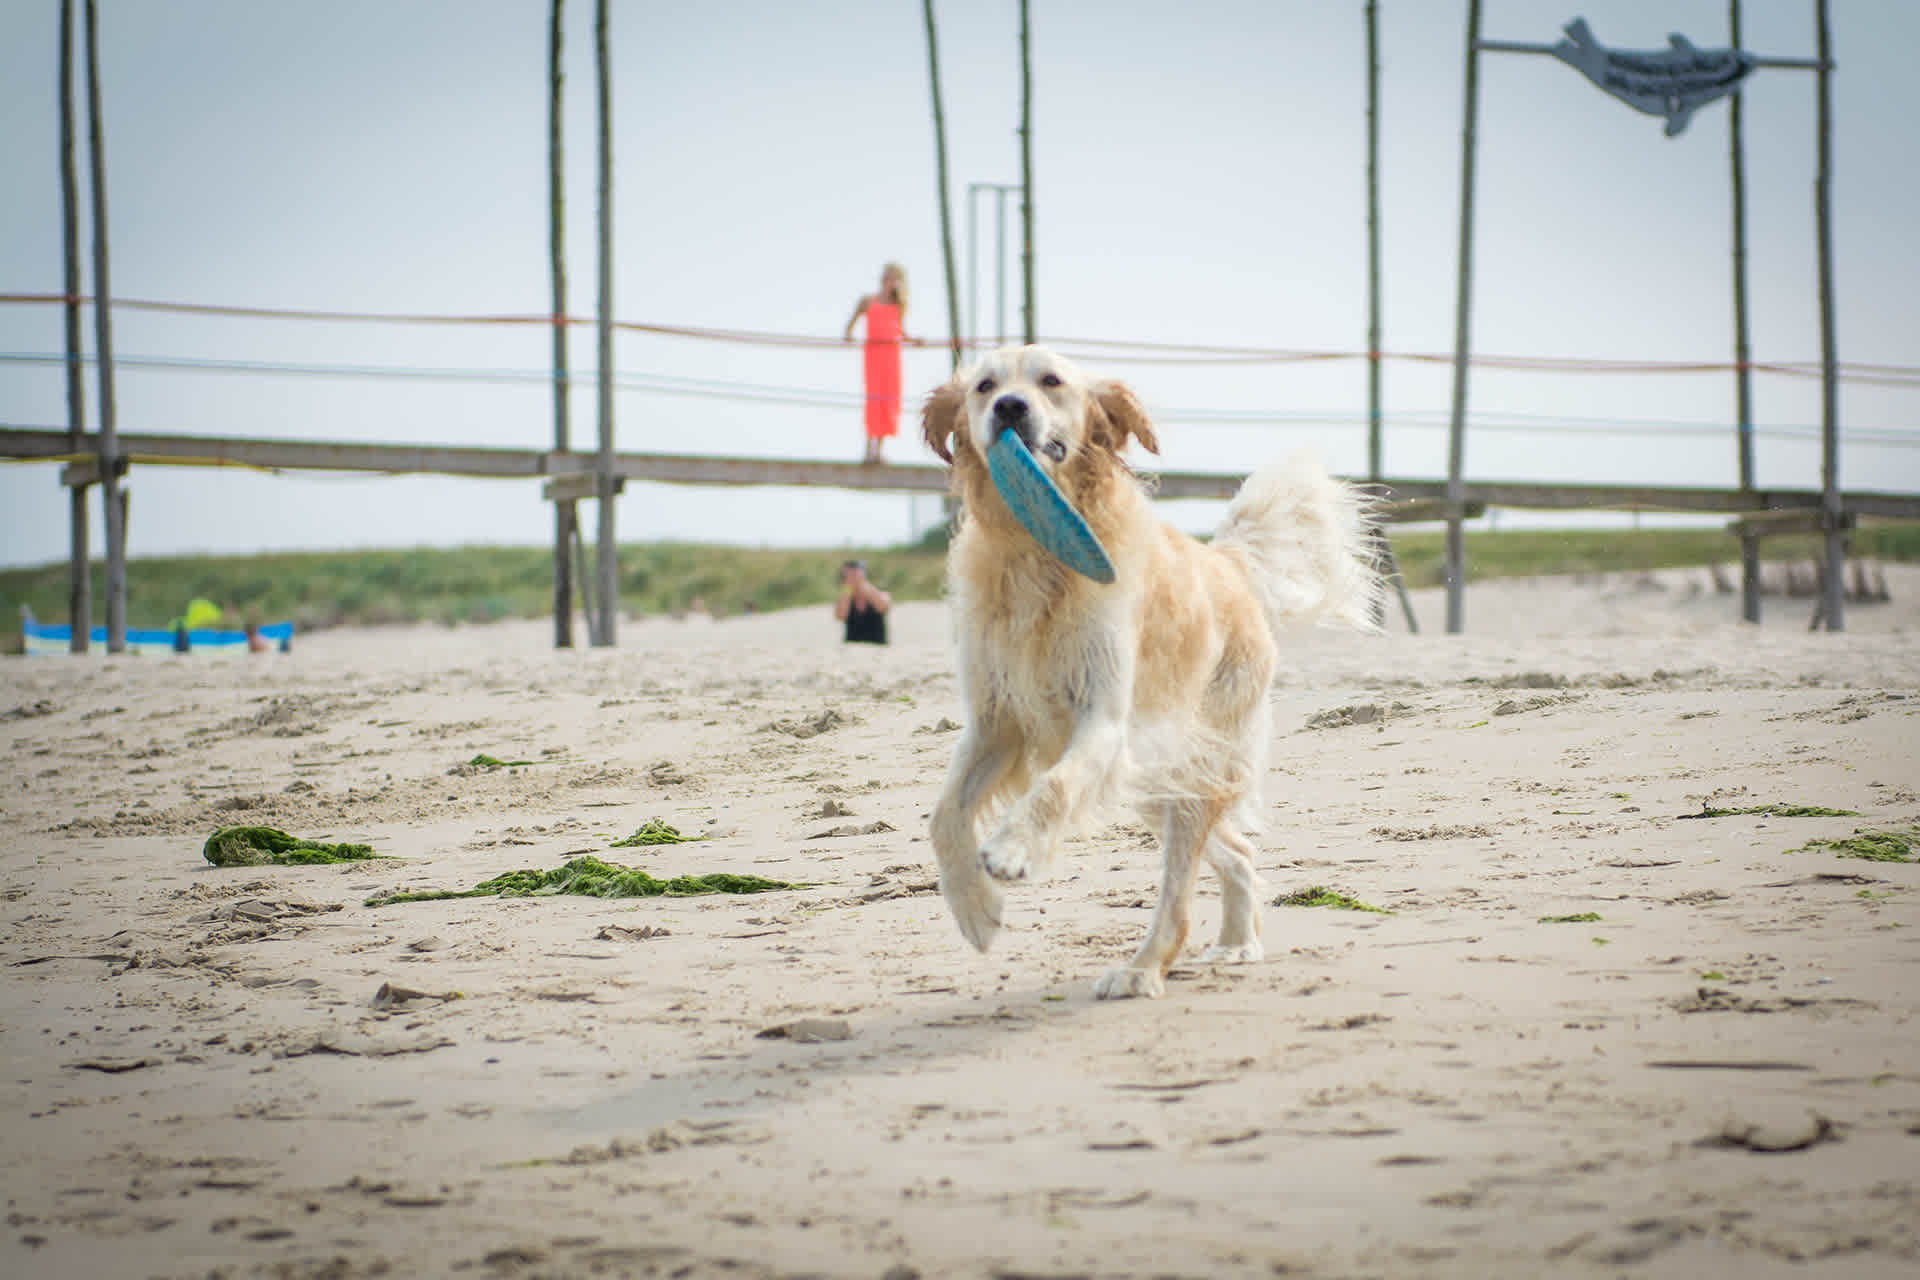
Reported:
(1118, 984)
(976, 903)
(1007, 858)
(1241, 953)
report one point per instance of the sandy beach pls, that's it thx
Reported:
(1714, 1071)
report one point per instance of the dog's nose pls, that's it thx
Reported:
(1010, 410)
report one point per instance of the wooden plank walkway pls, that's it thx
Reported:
(1412, 499)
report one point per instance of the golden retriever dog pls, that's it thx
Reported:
(1149, 691)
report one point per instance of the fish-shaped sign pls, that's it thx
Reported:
(1673, 82)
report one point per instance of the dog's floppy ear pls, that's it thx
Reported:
(942, 416)
(1118, 414)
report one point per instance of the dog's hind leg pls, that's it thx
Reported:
(981, 763)
(1188, 826)
(1232, 858)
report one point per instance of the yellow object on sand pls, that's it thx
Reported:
(202, 614)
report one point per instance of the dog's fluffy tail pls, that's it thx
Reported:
(1307, 537)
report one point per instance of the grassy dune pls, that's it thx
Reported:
(466, 584)
(478, 584)
(1522, 553)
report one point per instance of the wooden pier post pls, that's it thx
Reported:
(79, 555)
(565, 510)
(1742, 346)
(1030, 321)
(1835, 588)
(954, 347)
(112, 499)
(1374, 447)
(607, 552)
(1462, 338)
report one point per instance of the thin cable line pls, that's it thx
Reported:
(1099, 348)
(820, 398)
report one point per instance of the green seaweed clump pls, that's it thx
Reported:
(1874, 846)
(654, 831)
(591, 877)
(1773, 811)
(485, 761)
(270, 846)
(1584, 917)
(1322, 897)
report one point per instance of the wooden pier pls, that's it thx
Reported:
(1409, 500)
(569, 476)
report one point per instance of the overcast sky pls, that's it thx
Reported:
(1199, 179)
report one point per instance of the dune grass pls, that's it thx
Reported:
(1520, 553)
(481, 584)
(468, 584)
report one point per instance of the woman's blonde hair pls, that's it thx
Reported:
(899, 276)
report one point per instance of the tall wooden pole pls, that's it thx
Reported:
(946, 208)
(565, 512)
(1462, 340)
(1742, 346)
(1374, 460)
(1031, 326)
(112, 499)
(1835, 594)
(608, 562)
(79, 570)
(1376, 466)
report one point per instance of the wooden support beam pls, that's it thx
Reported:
(699, 469)
(577, 488)
(1779, 522)
(1427, 510)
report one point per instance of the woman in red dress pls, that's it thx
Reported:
(886, 315)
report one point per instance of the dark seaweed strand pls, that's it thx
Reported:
(591, 877)
(269, 846)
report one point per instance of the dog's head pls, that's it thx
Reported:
(1066, 420)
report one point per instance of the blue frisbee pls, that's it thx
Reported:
(1043, 510)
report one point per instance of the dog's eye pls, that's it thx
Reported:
(1049, 379)
(985, 386)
